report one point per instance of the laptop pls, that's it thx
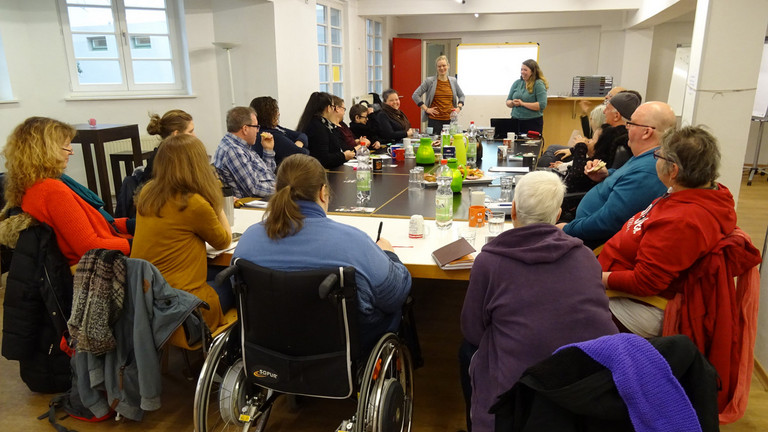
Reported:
(502, 126)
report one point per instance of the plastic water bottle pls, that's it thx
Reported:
(444, 197)
(454, 129)
(363, 175)
(445, 137)
(472, 146)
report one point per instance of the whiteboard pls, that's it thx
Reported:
(676, 96)
(760, 108)
(490, 69)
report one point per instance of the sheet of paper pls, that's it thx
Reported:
(509, 169)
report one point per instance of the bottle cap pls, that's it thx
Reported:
(443, 161)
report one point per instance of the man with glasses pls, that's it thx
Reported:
(623, 192)
(239, 167)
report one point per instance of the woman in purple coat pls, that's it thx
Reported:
(532, 289)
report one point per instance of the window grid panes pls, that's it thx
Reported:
(122, 45)
(374, 55)
(330, 49)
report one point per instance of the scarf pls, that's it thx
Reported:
(87, 195)
(396, 115)
(97, 300)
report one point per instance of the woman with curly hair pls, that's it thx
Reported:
(178, 211)
(287, 141)
(36, 154)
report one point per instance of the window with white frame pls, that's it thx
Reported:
(375, 58)
(124, 46)
(330, 49)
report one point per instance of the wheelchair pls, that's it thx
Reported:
(297, 334)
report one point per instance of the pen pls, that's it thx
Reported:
(378, 236)
(402, 246)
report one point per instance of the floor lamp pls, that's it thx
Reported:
(227, 46)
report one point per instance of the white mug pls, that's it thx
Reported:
(511, 136)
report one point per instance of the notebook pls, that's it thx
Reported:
(455, 255)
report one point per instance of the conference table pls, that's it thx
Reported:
(393, 203)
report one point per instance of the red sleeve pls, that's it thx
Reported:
(56, 205)
(669, 246)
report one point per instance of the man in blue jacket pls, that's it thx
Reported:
(623, 192)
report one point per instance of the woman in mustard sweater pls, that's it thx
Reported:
(36, 155)
(178, 211)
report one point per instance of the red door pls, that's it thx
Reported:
(406, 75)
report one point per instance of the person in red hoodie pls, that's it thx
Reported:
(656, 247)
(36, 154)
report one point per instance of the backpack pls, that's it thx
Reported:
(70, 402)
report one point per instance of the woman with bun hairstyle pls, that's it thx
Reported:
(171, 123)
(179, 210)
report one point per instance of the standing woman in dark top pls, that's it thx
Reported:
(287, 142)
(317, 122)
(528, 98)
(392, 123)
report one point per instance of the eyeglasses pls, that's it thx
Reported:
(629, 123)
(340, 107)
(657, 155)
(69, 150)
(257, 127)
(363, 117)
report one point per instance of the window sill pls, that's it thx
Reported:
(77, 98)
(9, 101)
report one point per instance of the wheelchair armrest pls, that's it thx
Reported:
(225, 274)
(327, 285)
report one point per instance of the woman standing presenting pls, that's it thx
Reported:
(528, 98)
(443, 96)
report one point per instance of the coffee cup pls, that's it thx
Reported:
(378, 164)
(477, 216)
(400, 154)
(529, 160)
(392, 148)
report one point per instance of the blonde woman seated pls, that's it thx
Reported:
(178, 211)
(36, 155)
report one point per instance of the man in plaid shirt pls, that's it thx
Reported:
(239, 167)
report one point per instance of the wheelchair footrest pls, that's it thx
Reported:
(346, 425)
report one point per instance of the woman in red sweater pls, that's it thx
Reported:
(652, 253)
(37, 153)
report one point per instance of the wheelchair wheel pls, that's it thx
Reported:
(224, 401)
(385, 403)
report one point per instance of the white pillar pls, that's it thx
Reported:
(726, 50)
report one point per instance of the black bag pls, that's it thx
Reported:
(72, 406)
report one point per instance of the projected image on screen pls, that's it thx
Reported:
(490, 69)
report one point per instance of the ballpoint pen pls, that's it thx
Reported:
(378, 236)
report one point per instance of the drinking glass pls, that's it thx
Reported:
(416, 178)
(507, 193)
(496, 222)
(469, 234)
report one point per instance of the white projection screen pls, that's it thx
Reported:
(490, 69)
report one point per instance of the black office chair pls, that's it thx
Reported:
(297, 335)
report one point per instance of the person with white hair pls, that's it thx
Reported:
(519, 308)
